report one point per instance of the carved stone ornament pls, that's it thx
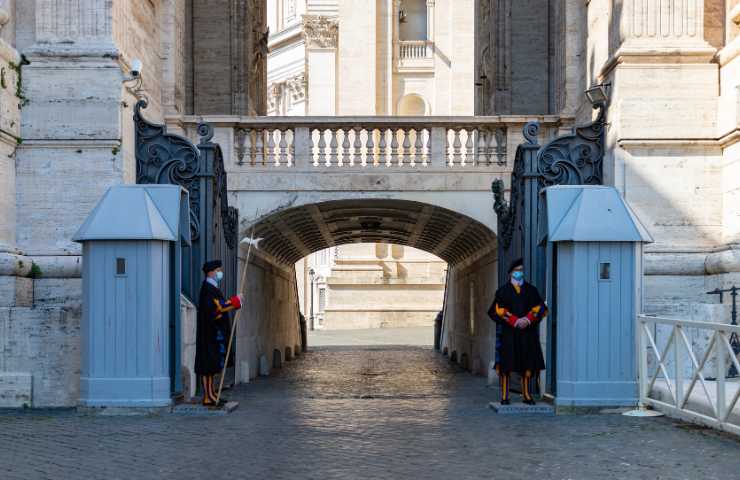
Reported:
(320, 31)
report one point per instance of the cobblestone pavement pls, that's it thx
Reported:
(417, 336)
(361, 413)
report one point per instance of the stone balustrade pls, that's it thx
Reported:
(415, 49)
(421, 143)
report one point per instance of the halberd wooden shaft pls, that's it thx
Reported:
(240, 287)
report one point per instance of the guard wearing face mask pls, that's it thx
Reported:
(212, 329)
(517, 309)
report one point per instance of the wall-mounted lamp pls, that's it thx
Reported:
(401, 16)
(598, 94)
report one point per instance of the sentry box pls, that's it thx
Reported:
(130, 281)
(594, 286)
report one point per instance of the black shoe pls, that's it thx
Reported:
(505, 402)
(529, 402)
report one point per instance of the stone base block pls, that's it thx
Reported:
(15, 390)
(122, 411)
(125, 392)
(16, 291)
(522, 409)
(45, 343)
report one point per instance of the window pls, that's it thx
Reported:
(605, 271)
(322, 299)
(120, 266)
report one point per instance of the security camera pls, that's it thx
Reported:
(136, 67)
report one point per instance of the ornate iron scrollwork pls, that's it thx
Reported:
(163, 157)
(575, 159)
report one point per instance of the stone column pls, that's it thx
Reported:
(662, 150)
(321, 34)
(9, 134)
(430, 20)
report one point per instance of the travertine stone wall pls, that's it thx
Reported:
(467, 329)
(229, 42)
(269, 321)
(530, 56)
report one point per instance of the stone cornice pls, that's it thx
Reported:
(656, 54)
(320, 31)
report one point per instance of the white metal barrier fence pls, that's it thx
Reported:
(684, 367)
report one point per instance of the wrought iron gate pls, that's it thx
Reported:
(575, 159)
(163, 157)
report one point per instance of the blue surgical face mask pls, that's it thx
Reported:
(219, 276)
(518, 275)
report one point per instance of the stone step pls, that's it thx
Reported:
(522, 409)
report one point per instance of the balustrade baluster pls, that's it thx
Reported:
(251, 148)
(381, 147)
(260, 156)
(357, 148)
(370, 153)
(333, 148)
(322, 157)
(283, 148)
(407, 158)
(419, 154)
(271, 159)
(239, 140)
(469, 159)
(500, 149)
(395, 157)
(456, 147)
(346, 154)
(481, 150)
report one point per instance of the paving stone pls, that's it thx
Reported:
(354, 413)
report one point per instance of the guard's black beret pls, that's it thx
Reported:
(211, 266)
(517, 263)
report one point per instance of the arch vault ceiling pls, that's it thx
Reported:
(291, 234)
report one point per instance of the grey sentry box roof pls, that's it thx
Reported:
(137, 212)
(582, 213)
(131, 292)
(594, 284)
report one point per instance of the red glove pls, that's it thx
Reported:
(236, 301)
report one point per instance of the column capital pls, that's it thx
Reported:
(74, 27)
(661, 24)
(320, 31)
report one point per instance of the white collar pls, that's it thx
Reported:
(212, 281)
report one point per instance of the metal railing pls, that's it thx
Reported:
(683, 370)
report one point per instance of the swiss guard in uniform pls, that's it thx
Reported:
(517, 309)
(212, 329)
